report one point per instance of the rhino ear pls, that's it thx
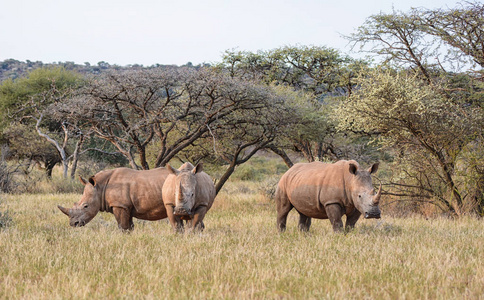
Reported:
(92, 180)
(198, 168)
(353, 168)
(172, 170)
(82, 180)
(373, 168)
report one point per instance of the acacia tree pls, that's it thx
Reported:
(461, 28)
(174, 108)
(317, 74)
(428, 133)
(29, 99)
(233, 141)
(413, 42)
(122, 107)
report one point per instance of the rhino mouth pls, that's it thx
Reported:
(78, 223)
(182, 212)
(372, 215)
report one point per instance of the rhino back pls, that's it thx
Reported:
(168, 191)
(205, 190)
(310, 186)
(139, 191)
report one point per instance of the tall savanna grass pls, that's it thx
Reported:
(240, 255)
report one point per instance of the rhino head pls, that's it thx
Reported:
(365, 198)
(89, 205)
(185, 188)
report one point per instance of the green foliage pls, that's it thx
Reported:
(6, 172)
(309, 77)
(259, 168)
(427, 131)
(461, 28)
(14, 94)
(5, 219)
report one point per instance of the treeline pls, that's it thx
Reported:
(418, 108)
(13, 69)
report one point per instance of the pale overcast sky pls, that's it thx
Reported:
(148, 32)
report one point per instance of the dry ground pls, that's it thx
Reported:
(240, 255)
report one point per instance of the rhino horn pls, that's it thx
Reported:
(64, 210)
(377, 197)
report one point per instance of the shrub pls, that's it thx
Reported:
(7, 172)
(5, 219)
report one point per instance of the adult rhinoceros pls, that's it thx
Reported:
(327, 191)
(126, 193)
(188, 193)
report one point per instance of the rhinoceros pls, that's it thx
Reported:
(327, 191)
(126, 193)
(188, 193)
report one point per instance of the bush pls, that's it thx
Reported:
(259, 168)
(7, 172)
(5, 219)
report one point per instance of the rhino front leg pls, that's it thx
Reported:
(198, 216)
(124, 218)
(352, 219)
(176, 222)
(335, 213)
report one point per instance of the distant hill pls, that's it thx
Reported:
(11, 68)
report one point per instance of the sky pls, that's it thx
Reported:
(175, 32)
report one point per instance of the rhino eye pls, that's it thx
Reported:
(85, 205)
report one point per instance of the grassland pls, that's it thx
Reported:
(240, 255)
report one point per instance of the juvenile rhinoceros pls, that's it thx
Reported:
(126, 193)
(188, 193)
(327, 191)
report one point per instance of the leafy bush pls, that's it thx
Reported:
(5, 219)
(6, 172)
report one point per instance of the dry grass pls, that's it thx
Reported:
(239, 255)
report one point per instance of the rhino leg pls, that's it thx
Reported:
(198, 216)
(352, 219)
(284, 206)
(176, 222)
(335, 213)
(304, 222)
(124, 218)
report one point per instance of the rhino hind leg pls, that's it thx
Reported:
(304, 222)
(284, 206)
(351, 220)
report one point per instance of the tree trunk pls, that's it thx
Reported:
(142, 158)
(282, 154)
(49, 166)
(60, 149)
(305, 148)
(75, 156)
(224, 178)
